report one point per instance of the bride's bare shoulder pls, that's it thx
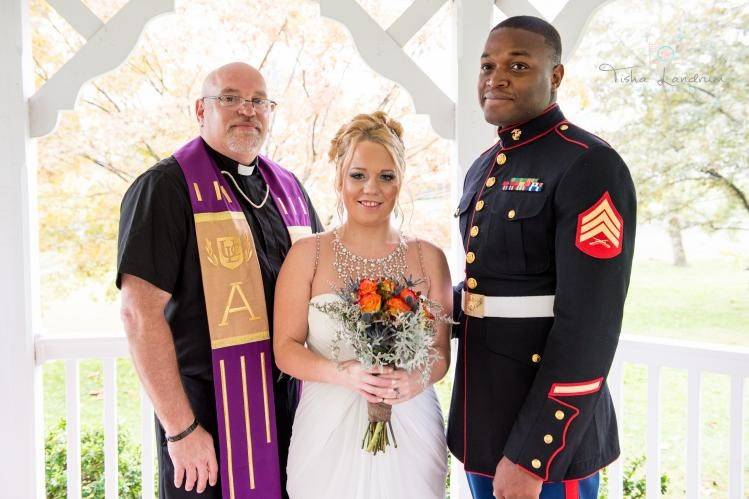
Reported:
(304, 243)
(306, 247)
(432, 253)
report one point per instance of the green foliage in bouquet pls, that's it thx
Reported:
(385, 323)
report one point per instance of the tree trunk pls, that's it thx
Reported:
(677, 244)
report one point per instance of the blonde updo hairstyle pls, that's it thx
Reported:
(376, 127)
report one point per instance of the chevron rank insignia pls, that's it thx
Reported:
(600, 229)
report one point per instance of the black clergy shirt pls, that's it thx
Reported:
(157, 243)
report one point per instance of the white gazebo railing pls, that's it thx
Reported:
(107, 349)
(696, 359)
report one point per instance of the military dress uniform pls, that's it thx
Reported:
(548, 224)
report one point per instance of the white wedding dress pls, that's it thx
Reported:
(326, 460)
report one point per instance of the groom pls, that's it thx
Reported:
(203, 234)
(548, 223)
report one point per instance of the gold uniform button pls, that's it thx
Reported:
(536, 358)
(472, 283)
(563, 127)
(501, 158)
(548, 439)
(511, 214)
(536, 464)
(480, 205)
(470, 257)
(491, 181)
(474, 231)
(559, 415)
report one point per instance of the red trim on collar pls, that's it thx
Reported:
(513, 125)
(536, 137)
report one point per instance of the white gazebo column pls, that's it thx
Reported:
(472, 20)
(22, 464)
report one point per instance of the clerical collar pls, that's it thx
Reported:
(227, 164)
(246, 170)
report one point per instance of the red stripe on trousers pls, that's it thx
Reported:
(572, 489)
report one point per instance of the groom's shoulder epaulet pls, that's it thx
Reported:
(574, 136)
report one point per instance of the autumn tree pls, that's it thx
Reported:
(127, 120)
(670, 92)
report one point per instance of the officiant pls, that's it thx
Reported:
(202, 236)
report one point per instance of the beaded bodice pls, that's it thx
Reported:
(350, 266)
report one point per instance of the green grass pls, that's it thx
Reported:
(92, 391)
(703, 302)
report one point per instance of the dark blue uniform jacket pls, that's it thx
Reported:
(548, 210)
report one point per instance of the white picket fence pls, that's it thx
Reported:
(696, 359)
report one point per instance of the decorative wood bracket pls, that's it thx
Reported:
(383, 51)
(107, 46)
(571, 21)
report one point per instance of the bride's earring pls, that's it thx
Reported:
(398, 210)
(339, 209)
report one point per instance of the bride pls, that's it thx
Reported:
(325, 457)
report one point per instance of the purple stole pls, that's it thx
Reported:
(238, 318)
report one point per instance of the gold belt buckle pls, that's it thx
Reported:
(474, 305)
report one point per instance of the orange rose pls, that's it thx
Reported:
(367, 286)
(406, 294)
(370, 303)
(396, 306)
(387, 286)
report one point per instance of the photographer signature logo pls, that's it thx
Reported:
(660, 56)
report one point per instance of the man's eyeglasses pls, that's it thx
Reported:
(234, 101)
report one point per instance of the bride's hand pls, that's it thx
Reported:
(403, 386)
(356, 378)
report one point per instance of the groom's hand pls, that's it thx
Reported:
(194, 460)
(511, 482)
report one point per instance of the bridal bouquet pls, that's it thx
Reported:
(386, 323)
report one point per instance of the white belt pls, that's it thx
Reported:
(513, 307)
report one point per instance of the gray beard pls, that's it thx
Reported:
(242, 144)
